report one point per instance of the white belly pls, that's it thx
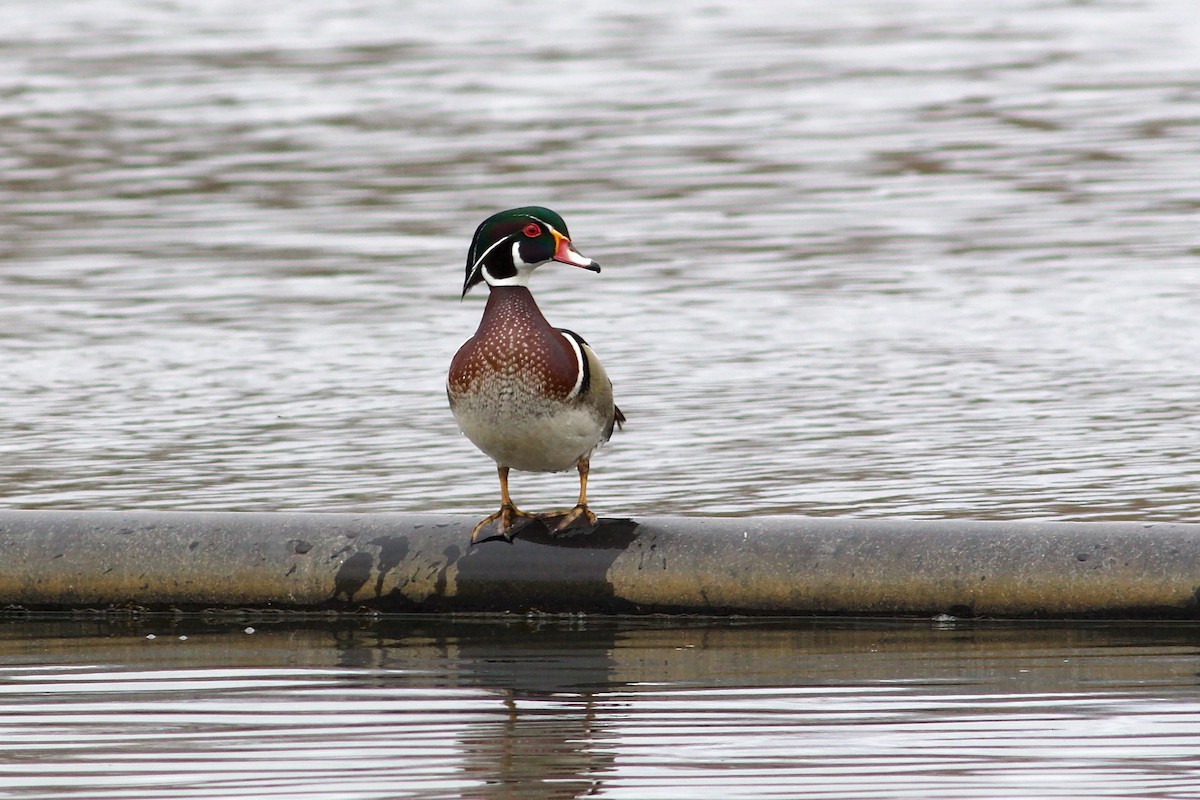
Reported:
(550, 443)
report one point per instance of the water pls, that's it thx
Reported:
(933, 259)
(936, 260)
(553, 708)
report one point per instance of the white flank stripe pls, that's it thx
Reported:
(579, 356)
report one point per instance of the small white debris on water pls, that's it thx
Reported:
(249, 630)
(151, 636)
(183, 638)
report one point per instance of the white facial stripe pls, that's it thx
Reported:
(495, 244)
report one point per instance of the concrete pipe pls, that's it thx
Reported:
(690, 565)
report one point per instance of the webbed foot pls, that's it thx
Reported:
(571, 519)
(508, 524)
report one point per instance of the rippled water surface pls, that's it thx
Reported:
(922, 259)
(160, 708)
(928, 259)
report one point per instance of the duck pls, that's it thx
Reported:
(530, 396)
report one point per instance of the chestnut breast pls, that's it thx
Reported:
(516, 347)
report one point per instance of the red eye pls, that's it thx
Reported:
(532, 230)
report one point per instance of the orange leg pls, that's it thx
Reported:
(581, 509)
(506, 513)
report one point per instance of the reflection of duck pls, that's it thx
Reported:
(531, 729)
(530, 396)
(545, 743)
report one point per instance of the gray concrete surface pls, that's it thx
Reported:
(691, 565)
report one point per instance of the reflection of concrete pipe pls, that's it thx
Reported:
(700, 565)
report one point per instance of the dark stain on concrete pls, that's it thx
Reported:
(395, 602)
(452, 554)
(352, 575)
(392, 550)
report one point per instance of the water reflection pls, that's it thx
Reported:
(540, 736)
(550, 707)
(538, 686)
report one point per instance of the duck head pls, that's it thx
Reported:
(510, 245)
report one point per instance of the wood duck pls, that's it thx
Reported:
(530, 396)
